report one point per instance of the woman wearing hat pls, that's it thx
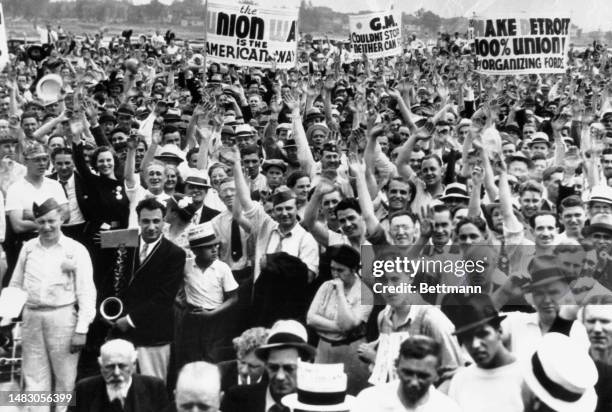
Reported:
(339, 317)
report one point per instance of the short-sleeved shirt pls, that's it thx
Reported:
(22, 194)
(326, 305)
(384, 398)
(205, 289)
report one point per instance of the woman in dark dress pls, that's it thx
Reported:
(112, 207)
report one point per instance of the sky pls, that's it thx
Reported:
(587, 14)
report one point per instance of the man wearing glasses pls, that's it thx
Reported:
(286, 344)
(34, 187)
(118, 387)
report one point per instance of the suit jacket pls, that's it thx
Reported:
(243, 398)
(146, 394)
(229, 374)
(82, 195)
(207, 214)
(603, 387)
(149, 295)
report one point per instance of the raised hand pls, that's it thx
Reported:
(291, 102)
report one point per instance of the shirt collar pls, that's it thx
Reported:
(61, 241)
(150, 245)
(269, 400)
(407, 320)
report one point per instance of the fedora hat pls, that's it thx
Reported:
(472, 311)
(202, 235)
(562, 374)
(601, 222)
(320, 388)
(286, 334)
(49, 88)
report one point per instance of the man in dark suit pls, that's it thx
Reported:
(154, 273)
(79, 205)
(118, 388)
(286, 344)
(196, 186)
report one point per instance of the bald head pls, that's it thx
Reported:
(198, 384)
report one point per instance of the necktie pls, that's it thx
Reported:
(64, 184)
(281, 237)
(278, 408)
(503, 261)
(143, 253)
(236, 242)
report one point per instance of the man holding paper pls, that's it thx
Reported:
(56, 273)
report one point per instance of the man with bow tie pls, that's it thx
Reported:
(118, 388)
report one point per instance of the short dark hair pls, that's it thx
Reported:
(248, 150)
(96, 153)
(150, 203)
(530, 186)
(60, 151)
(169, 128)
(295, 176)
(29, 114)
(348, 203)
(477, 221)
(546, 175)
(419, 347)
(571, 201)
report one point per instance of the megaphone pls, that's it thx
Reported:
(111, 308)
(49, 88)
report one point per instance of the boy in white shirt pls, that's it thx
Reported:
(210, 292)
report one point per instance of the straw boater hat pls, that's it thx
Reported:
(562, 374)
(202, 235)
(320, 388)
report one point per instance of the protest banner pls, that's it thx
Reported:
(510, 40)
(4, 53)
(241, 32)
(376, 34)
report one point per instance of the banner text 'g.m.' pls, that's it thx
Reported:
(243, 33)
(521, 45)
(376, 34)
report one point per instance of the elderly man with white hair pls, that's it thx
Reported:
(198, 388)
(119, 388)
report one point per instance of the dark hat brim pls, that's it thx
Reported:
(263, 351)
(596, 227)
(474, 325)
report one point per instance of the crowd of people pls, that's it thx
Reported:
(231, 213)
